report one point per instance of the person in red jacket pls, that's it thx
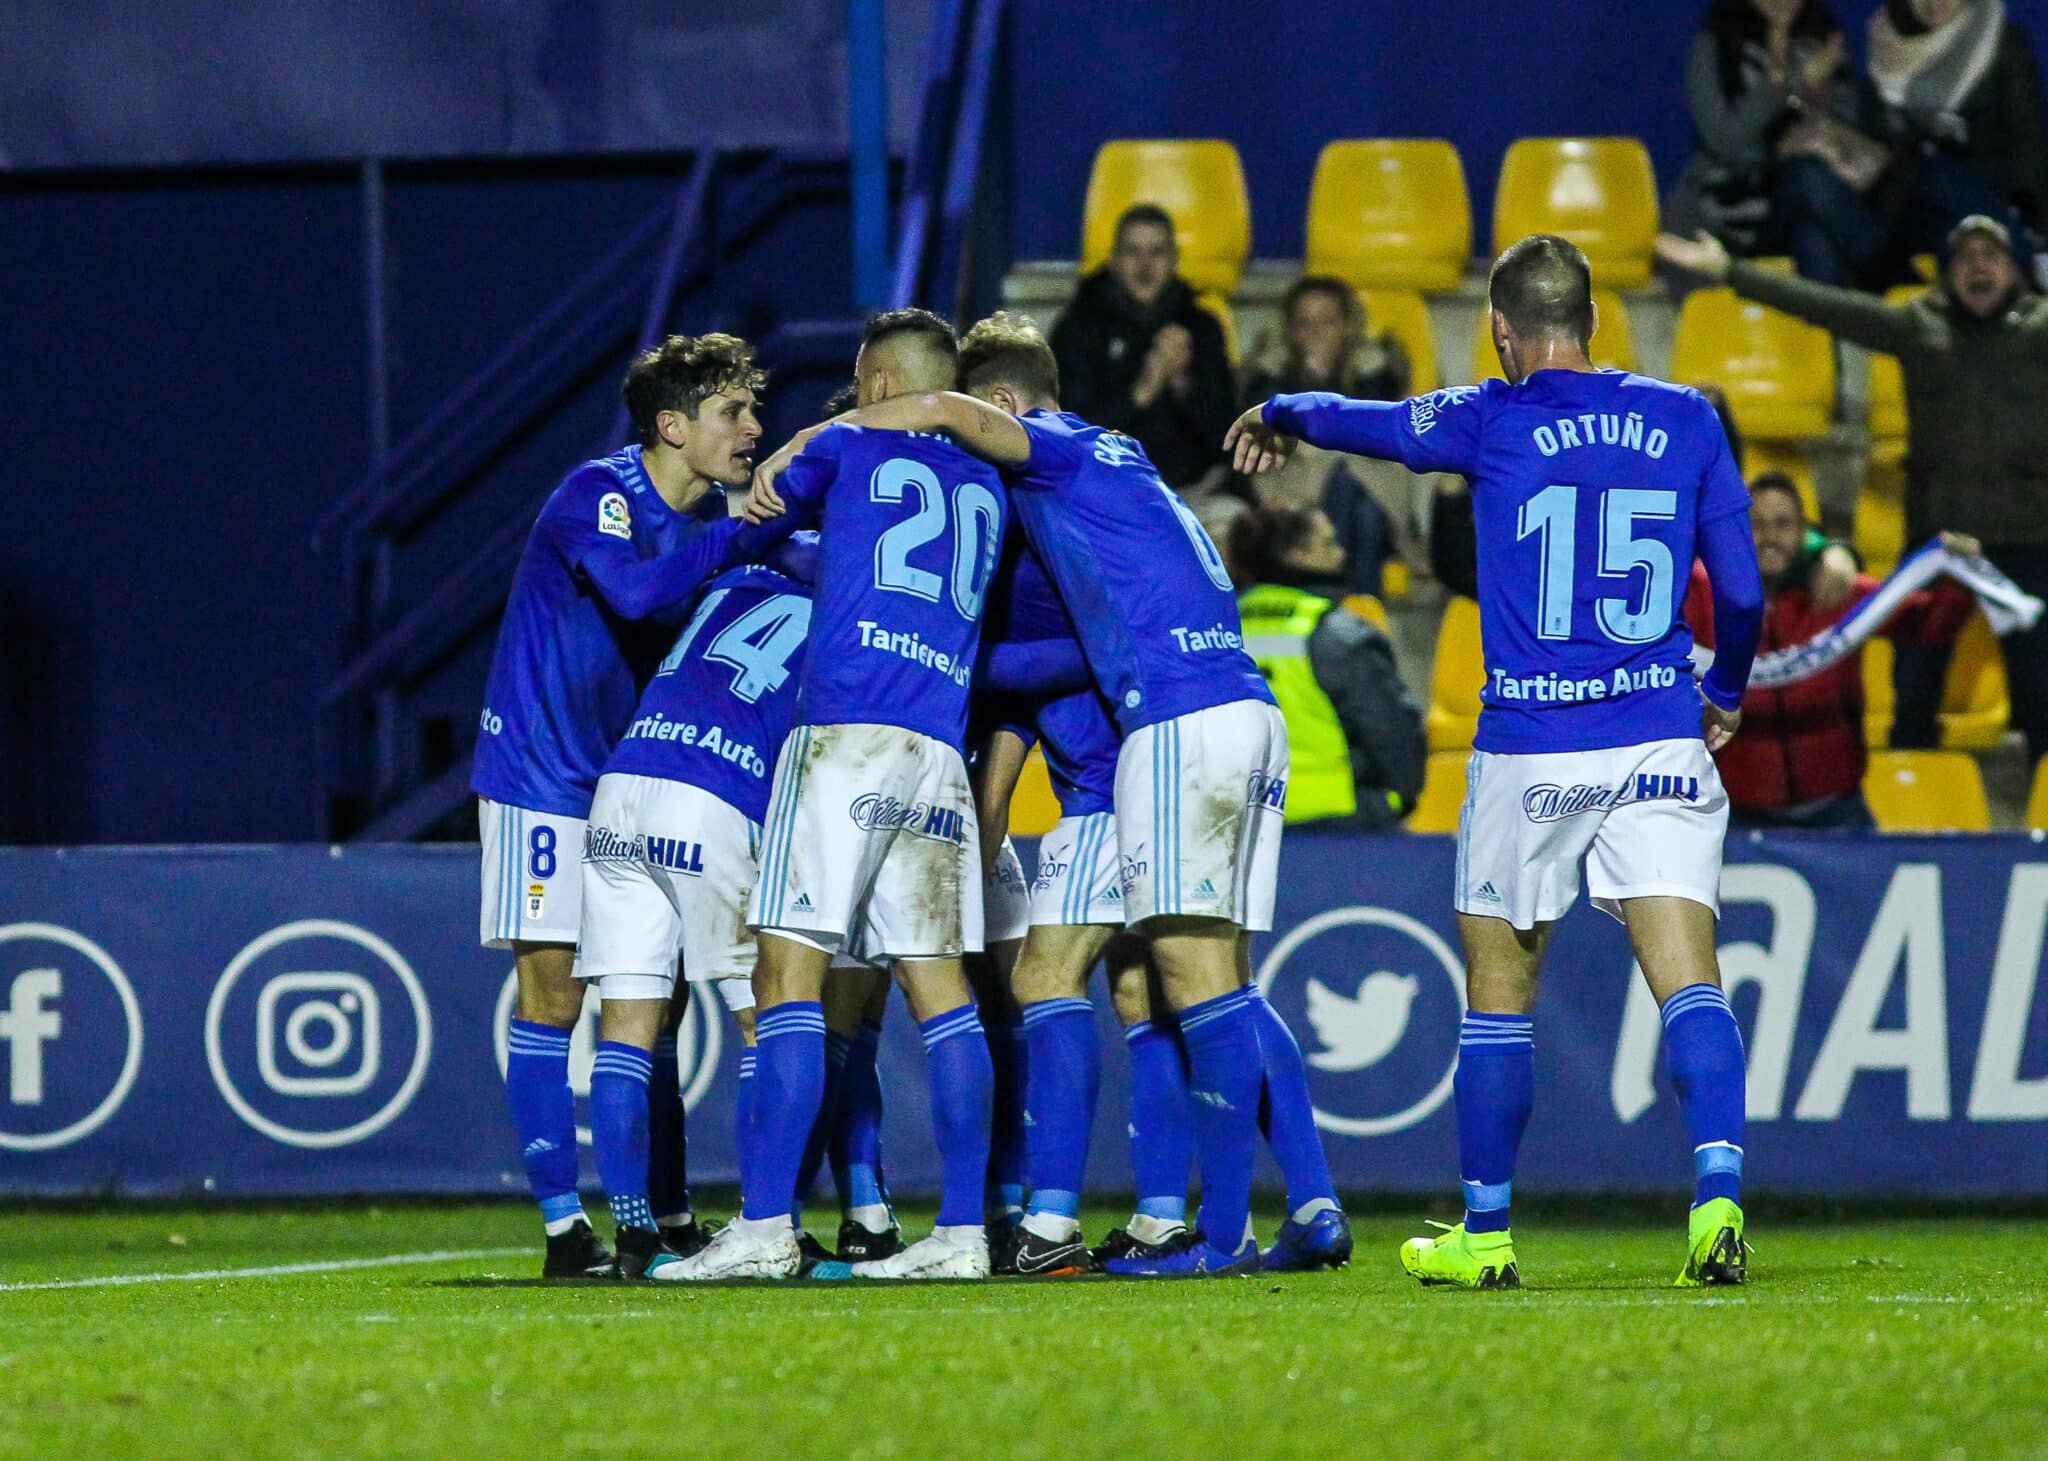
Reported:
(1800, 759)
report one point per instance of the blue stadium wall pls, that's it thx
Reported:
(190, 387)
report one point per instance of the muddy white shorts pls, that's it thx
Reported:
(1200, 800)
(1648, 820)
(871, 846)
(1080, 873)
(1005, 899)
(532, 875)
(667, 870)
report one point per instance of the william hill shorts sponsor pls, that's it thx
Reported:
(1550, 802)
(678, 855)
(877, 813)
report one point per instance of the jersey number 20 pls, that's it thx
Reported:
(977, 523)
(1552, 517)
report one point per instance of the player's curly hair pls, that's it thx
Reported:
(1007, 349)
(684, 371)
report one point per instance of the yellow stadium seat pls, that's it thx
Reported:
(1598, 192)
(1779, 373)
(1394, 579)
(1789, 458)
(1219, 306)
(1881, 519)
(1390, 213)
(1457, 678)
(1975, 699)
(1034, 810)
(1888, 392)
(1401, 313)
(2037, 798)
(1613, 346)
(1926, 791)
(1368, 608)
(1199, 183)
(1443, 793)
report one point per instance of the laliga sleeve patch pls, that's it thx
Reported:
(613, 516)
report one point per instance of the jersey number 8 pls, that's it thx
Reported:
(977, 522)
(1552, 517)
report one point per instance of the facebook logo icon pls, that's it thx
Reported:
(26, 1024)
(70, 1037)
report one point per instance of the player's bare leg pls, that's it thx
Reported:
(1673, 940)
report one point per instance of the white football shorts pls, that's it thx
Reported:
(667, 869)
(1080, 873)
(1648, 820)
(1200, 800)
(871, 847)
(532, 876)
(1005, 898)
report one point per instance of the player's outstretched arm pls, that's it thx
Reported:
(1253, 446)
(990, 432)
(637, 588)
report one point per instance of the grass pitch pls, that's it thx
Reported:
(1908, 1337)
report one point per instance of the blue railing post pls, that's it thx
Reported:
(867, 126)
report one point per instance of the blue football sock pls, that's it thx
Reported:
(1495, 1088)
(1223, 1090)
(1162, 1129)
(544, 1114)
(837, 1049)
(618, 1130)
(857, 1133)
(789, 1082)
(1065, 1066)
(962, 1094)
(1703, 1046)
(743, 1123)
(1288, 1113)
(1009, 1139)
(668, 1165)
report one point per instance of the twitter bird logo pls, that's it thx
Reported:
(1359, 1031)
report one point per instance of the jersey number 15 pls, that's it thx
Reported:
(1551, 516)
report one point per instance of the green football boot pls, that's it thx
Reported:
(1467, 1260)
(1717, 1254)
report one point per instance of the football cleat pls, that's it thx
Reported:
(577, 1254)
(740, 1249)
(1003, 1238)
(858, 1244)
(686, 1240)
(1463, 1260)
(958, 1252)
(1036, 1257)
(1324, 1241)
(1122, 1243)
(637, 1248)
(1717, 1255)
(810, 1253)
(1188, 1254)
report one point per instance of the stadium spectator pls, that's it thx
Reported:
(1327, 348)
(1353, 730)
(1800, 759)
(1781, 165)
(1958, 100)
(1974, 355)
(1137, 354)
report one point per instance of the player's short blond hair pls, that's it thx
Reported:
(682, 373)
(1008, 349)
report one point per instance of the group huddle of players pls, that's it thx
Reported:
(773, 750)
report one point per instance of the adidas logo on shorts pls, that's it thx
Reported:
(1205, 889)
(803, 903)
(1487, 893)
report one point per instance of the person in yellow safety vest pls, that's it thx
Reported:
(1353, 729)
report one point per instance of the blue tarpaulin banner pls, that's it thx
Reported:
(254, 1022)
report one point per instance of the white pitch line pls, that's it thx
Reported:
(280, 1270)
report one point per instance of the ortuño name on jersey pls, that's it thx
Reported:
(1601, 428)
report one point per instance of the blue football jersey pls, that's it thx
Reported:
(911, 533)
(1151, 600)
(568, 668)
(1587, 492)
(717, 710)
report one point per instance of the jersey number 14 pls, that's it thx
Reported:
(1551, 516)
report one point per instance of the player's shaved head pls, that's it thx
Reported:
(905, 350)
(1543, 288)
(1006, 349)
